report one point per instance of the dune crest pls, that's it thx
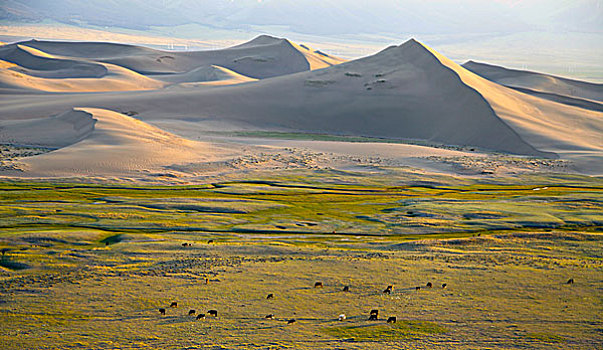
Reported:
(112, 143)
(55, 132)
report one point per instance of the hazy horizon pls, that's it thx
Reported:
(560, 37)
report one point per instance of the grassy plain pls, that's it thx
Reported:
(88, 265)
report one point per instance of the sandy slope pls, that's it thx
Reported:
(104, 142)
(94, 67)
(262, 57)
(403, 92)
(538, 83)
(26, 68)
(212, 75)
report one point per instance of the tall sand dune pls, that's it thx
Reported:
(407, 92)
(262, 57)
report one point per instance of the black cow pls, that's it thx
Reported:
(270, 296)
(318, 285)
(213, 313)
(392, 319)
(191, 312)
(174, 304)
(200, 316)
(162, 311)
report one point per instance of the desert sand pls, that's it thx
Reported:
(404, 94)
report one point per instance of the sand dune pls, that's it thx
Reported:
(407, 92)
(215, 75)
(37, 63)
(26, 68)
(98, 141)
(55, 66)
(540, 84)
(262, 57)
(55, 132)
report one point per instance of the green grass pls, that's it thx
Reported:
(385, 332)
(546, 337)
(298, 205)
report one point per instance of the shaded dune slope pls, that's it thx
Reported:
(26, 68)
(102, 141)
(260, 58)
(403, 92)
(563, 90)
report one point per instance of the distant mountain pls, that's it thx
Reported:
(321, 17)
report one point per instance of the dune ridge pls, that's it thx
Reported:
(99, 141)
(540, 84)
(121, 67)
(408, 92)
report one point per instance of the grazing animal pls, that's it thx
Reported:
(429, 285)
(346, 288)
(417, 288)
(185, 244)
(270, 317)
(270, 296)
(206, 280)
(174, 304)
(374, 313)
(162, 311)
(191, 312)
(373, 318)
(444, 285)
(213, 313)
(388, 290)
(392, 319)
(318, 285)
(210, 241)
(341, 317)
(200, 316)
(570, 281)
(291, 321)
